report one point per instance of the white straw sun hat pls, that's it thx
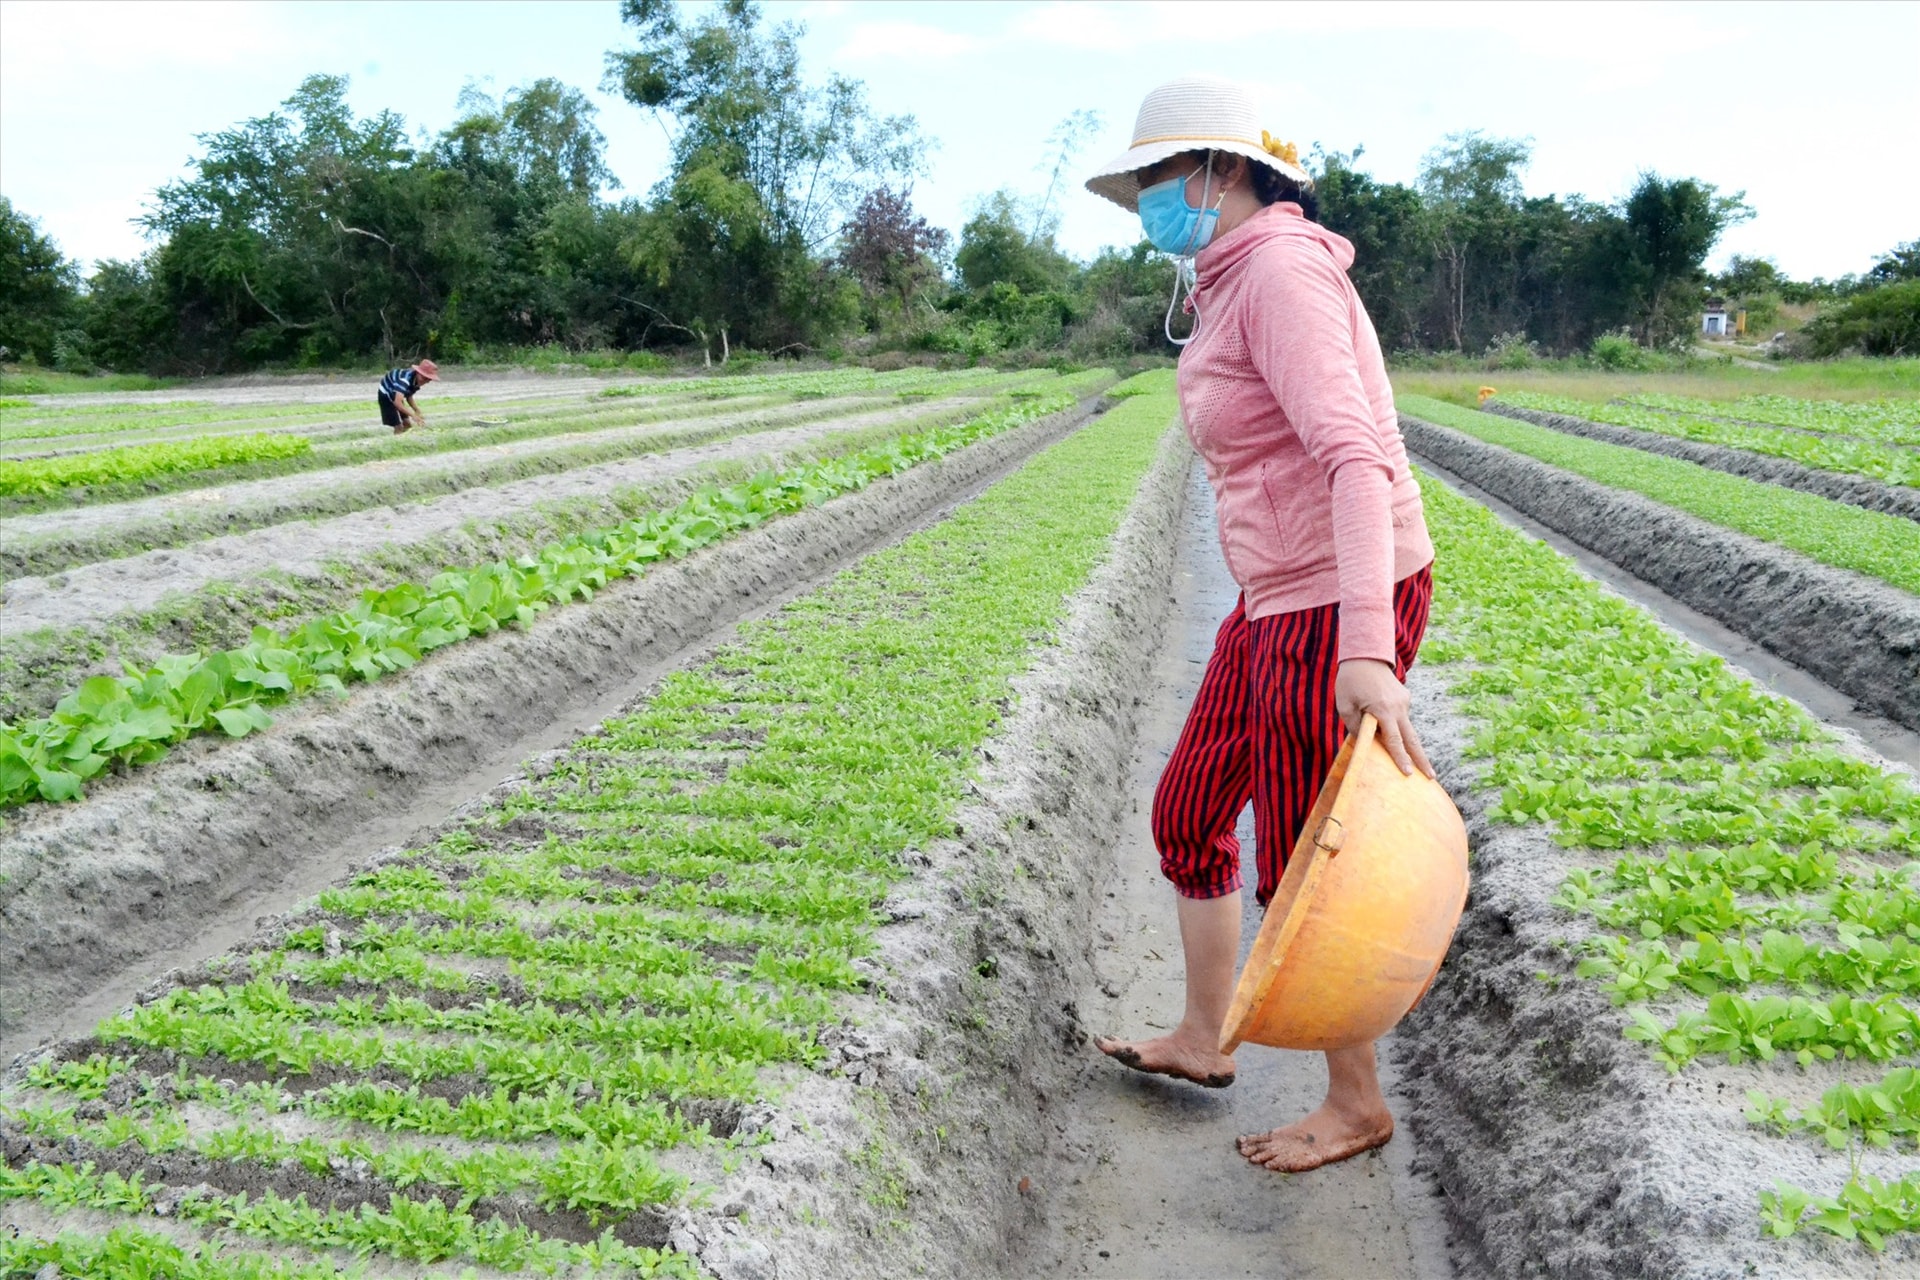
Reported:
(1194, 113)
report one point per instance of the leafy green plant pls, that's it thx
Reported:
(568, 1005)
(132, 464)
(1847, 537)
(133, 719)
(1748, 881)
(1825, 453)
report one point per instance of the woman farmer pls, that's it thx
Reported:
(395, 396)
(1284, 394)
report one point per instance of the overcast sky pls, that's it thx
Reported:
(1812, 109)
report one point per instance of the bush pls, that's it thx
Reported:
(1511, 351)
(1882, 322)
(1618, 350)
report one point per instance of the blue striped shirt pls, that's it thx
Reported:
(398, 383)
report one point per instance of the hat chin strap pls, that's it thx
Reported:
(1184, 272)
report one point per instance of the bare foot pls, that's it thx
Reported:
(1172, 1056)
(1324, 1137)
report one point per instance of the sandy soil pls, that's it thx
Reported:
(93, 593)
(173, 863)
(1860, 491)
(1858, 634)
(1153, 1187)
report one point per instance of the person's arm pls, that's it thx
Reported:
(1300, 339)
(414, 410)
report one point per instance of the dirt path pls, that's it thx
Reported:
(1153, 1187)
(92, 593)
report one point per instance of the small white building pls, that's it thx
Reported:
(1713, 321)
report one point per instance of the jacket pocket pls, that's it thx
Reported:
(1284, 512)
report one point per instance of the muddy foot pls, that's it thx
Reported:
(1167, 1056)
(1324, 1137)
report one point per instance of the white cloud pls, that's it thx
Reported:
(875, 40)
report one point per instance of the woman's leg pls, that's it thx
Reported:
(1196, 805)
(1296, 739)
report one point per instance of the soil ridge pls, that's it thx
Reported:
(1859, 635)
(1858, 491)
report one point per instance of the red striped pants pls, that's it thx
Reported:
(1262, 727)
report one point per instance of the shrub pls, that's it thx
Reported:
(1883, 322)
(1511, 351)
(1618, 350)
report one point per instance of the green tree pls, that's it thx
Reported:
(1470, 186)
(1879, 322)
(1902, 262)
(1671, 227)
(39, 288)
(996, 248)
(766, 168)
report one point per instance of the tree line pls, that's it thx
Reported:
(783, 224)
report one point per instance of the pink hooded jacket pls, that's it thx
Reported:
(1285, 396)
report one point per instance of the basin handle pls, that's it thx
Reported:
(1333, 840)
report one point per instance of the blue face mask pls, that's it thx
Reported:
(1173, 225)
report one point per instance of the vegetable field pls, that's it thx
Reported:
(655, 829)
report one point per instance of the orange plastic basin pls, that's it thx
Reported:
(1364, 914)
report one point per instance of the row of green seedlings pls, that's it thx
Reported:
(115, 472)
(1887, 421)
(52, 661)
(344, 489)
(1834, 533)
(133, 719)
(136, 464)
(51, 421)
(49, 429)
(353, 433)
(1759, 866)
(454, 426)
(1887, 463)
(679, 905)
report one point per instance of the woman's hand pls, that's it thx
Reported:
(1368, 685)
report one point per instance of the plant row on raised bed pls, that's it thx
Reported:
(1824, 453)
(1760, 905)
(114, 472)
(86, 535)
(533, 1011)
(138, 464)
(1834, 533)
(1888, 421)
(49, 421)
(135, 718)
(38, 667)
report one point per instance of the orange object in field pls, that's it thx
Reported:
(1487, 393)
(1364, 914)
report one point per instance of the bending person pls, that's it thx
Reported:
(397, 390)
(1284, 393)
